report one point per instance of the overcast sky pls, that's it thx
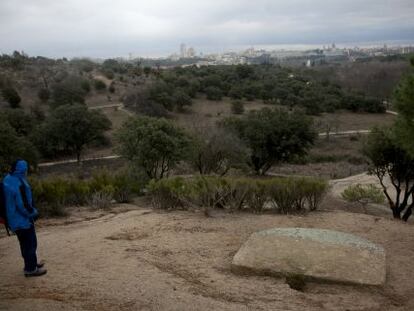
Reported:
(106, 28)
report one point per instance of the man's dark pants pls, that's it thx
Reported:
(28, 245)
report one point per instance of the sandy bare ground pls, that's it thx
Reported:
(136, 258)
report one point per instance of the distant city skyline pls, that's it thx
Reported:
(100, 28)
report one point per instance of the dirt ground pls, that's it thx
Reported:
(137, 258)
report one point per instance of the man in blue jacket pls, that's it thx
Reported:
(21, 215)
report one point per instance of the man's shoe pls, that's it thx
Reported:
(37, 272)
(41, 264)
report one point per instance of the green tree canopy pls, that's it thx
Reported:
(11, 96)
(13, 146)
(68, 92)
(70, 128)
(22, 123)
(155, 145)
(273, 136)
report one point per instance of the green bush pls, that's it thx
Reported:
(52, 194)
(43, 94)
(103, 198)
(237, 107)
(170, 193)
(363, 194)
(257, 196)
(99, 85)
(213, 93)
(11, 96)
(109, 74)
(286, 195)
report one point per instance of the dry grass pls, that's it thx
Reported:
(337, 157)
(207, 112)
(346, 121)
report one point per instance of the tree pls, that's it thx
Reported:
(389, 160)
(21, 122)
(217, 151)
(273, 136)
(161, 93)
(11, 96)
(13, 146)
(404, 103)
(147, 70)
(70, 128)
(141, 103)
(213, 93)
(155, 145)
(181, 99)
(68, 92)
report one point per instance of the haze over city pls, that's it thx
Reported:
(97, 28)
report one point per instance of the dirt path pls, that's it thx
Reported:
(150, 260)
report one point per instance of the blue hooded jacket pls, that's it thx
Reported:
(19, 214)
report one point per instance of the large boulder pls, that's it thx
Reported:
(318, 254)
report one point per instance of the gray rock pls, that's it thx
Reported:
(318, 254)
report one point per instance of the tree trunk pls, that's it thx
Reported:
(407, 213)
(396, 213)
(78, 157)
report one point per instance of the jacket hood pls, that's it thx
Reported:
(20, 168)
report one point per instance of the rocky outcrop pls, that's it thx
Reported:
(318, 254)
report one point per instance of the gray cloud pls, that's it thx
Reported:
(114, 28)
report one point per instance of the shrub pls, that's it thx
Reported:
(216, 151)
(85, 85)
(363, 194)
(210, 191)
(43, 94)
(237, 107)
(109, 74)
(180, 99)
(213, 93)
(283, 194)
(257, 196)
(287, 195)
(11, 96)
(169, 193)
(99, 85)
(69, 91)
(52, 194)
(103, 198)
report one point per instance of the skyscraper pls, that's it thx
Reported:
(183, 50)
